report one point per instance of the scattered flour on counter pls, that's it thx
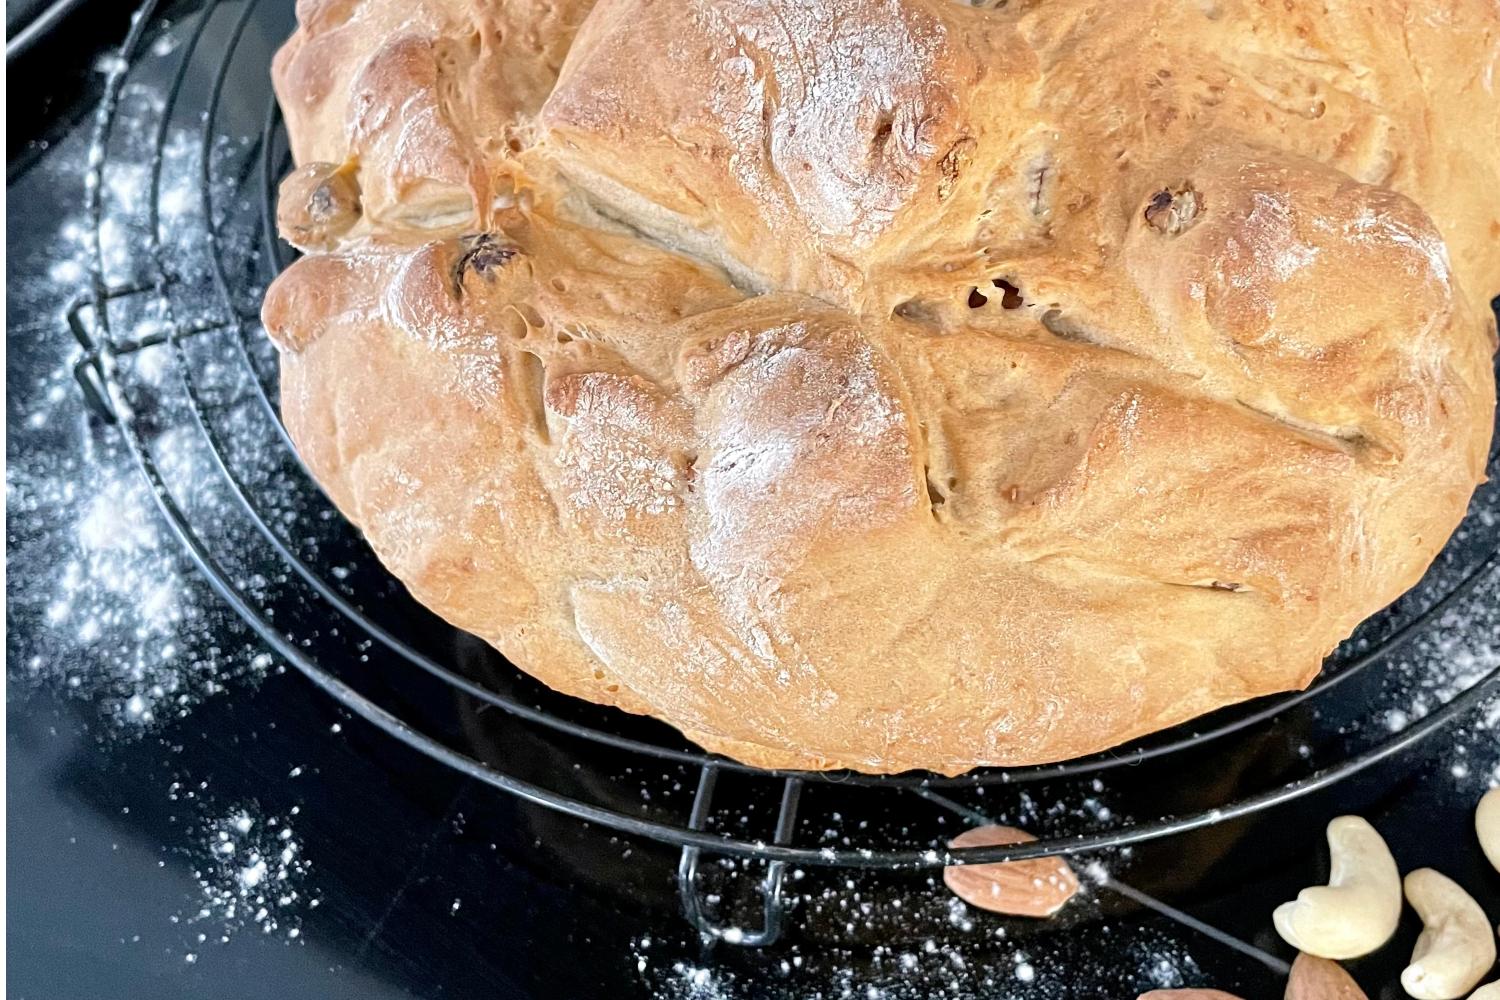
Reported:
(104, 604)
(112, 612)
(251, 875)
(1449, 657)
(695, 982)
(1093, 960)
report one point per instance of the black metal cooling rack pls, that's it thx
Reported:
(213, 71)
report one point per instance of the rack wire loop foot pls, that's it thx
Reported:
(773, 897)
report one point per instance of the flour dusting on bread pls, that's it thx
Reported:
(895, 384)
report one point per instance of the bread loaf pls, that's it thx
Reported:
(893, 384)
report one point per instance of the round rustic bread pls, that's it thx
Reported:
(895, 384)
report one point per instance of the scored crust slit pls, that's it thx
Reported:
(894, 384)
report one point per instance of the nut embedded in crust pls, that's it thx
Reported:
(318, 203)
(1171, 211)
(483, 255)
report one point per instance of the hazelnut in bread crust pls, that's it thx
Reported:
(894, 384)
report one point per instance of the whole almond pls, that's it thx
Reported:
(1315, 978)
(1035, 888)
(1189, 994)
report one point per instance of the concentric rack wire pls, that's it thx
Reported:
(209, 52)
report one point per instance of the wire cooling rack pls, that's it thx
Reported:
(198, 272)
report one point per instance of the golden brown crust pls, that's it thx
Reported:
(896, 383)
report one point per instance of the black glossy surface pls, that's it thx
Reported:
(100, 852)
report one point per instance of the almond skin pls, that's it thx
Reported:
(1034, 888)
(1189, 994)
(1315, 978)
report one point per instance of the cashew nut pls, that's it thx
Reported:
(1456, 947)
(1357, 911)
(1490, 992)
(1487, 825)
